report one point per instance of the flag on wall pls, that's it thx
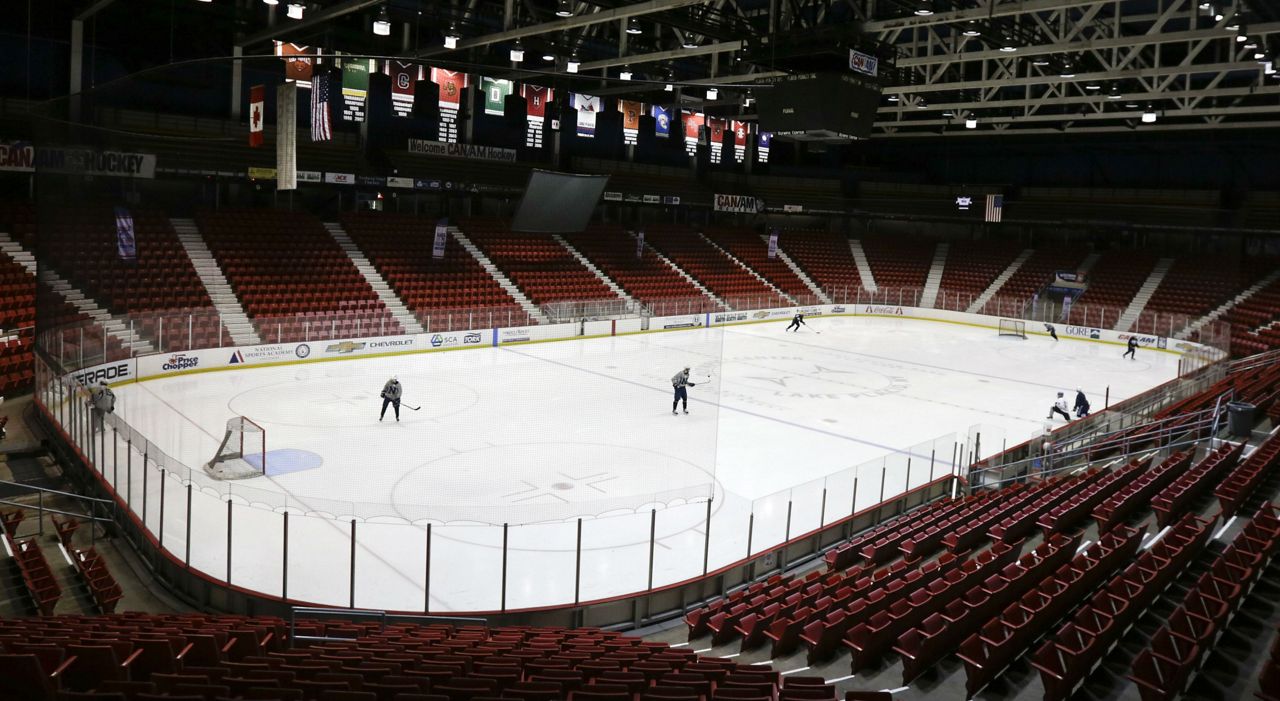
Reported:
(536, 99)
(355, 86)
(126, 243)
(450, 84)
(256, 100)
(762, 146)
(287, 136)
(587, 106)
(740, 132)
(299, 62)
(995, 207)
(692, 129)
(717, 125)
(495, 92)
(404, 80)
(321, 129)
(630, 110)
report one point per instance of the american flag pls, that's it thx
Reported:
(995, 207)
(321, 129)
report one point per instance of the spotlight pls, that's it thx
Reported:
(1092, 86)
(271, 2)
(971, 123)
(1114, 94)
(971, 29)
(382, 25)
(451, 37)
(517, 52)
(633, 26)
(1006, 43)
(572, 65)
(1149, 115)
(1040, 61)
(625, 73)
(688, 43)
(924, 8)
(922, 104)
(295, 10)
(1068, 71)
(548, 56)
(668, 87)
(712, 93)
(564, 9)
(893, 98)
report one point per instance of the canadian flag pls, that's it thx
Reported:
(255, 115)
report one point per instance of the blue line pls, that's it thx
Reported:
(728, 408)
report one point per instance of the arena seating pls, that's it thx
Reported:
(825, 257)
(210, 656)
(17, 326)
(1113, 282)
(1192, 288)
(544, 270)
(1037, 271)
(713, 269)
(1254, 322)
(971, 268)
(752, 250)
(293, 280)
(400, 247)
(897, 263)
(646, 278)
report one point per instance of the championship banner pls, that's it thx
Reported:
(442, 236)
(404, 80)
(640, 244)
(495, 92)
(661, 121)
(738, 203)
(126, 243)
(586, 106)
(256, 100)
(773, 243)
(762, 146)
(287, 136)
(299, 62)
(692, 129)
(717, 137)
(450, 84)
(740, 132)
(355, 86)
(536, 98)
(630, 110)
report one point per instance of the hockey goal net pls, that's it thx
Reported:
(242, 453)
(1013, 327)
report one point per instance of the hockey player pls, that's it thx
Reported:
(1132, 353)
(1059, 407)
(796, 322)
(391, 393)
(679, 382)
(1052, 332)
(103, 401)
(1082, 404)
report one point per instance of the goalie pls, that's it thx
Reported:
(679, 383)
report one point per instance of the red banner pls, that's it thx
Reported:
(255, 115)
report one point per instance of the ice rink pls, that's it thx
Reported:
(538, 436)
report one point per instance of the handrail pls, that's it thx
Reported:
(379, 614)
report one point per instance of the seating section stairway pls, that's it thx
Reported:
(899, 264)
(1113, 282)
(827, 259)
(17, 325)
(971, 267)
(712, 268)
(752, 251)
(647, 277)
(544, 270)
(293, 280)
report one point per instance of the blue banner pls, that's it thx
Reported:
(662, 121)
(126, 244)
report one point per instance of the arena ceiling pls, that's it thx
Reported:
(1005, 66)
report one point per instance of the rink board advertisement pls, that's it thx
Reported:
(230, 358)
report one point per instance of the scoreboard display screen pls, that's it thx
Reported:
(842, 104)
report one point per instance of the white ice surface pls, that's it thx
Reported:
(537, 436)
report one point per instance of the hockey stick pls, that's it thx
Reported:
(410, 406)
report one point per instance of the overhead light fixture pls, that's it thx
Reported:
(1149, 115)
(1259, 55)
(924, 8)
(1006, 43)
(451, 37)
(1242, 35)
(204, 0)
(633, 26)
(1040, 61)
(271, 2)
(1114, 93)
(625, 73)
(517, 52)
(572, 65)
(971, 29)
(1068, 71)
(382, 25)
(948, 114)
(1091, 85)
(295, 10)
(548, 56)
(922, 104)
(668, 87)
(1250, 45)
(970, 122)
(564, 8)
(689, 43)
(1269, 68)
(1233, 25)
(1131, 105)
(1206, 6)
(893, 98)
(712, 94)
